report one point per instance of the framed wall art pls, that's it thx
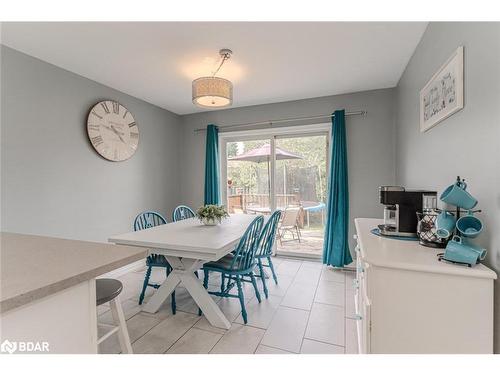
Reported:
(443, 95)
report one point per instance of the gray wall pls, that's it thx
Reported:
(371, 153)
(465, 144)
(53, 182)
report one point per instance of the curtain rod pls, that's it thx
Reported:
(271, 122)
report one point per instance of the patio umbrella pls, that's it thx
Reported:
(263, 154)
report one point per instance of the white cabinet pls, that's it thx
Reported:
(408, 302)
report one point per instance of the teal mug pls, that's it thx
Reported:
(445, 224)
(469, 226)
(480, 251)
(457, 251)
(456, 195)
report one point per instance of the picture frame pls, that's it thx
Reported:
(443, 95)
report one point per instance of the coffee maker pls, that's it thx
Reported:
(401, 207)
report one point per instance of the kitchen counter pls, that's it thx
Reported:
(408, 255)
(406, 301)
(34, 267)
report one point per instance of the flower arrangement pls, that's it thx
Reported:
(211, 214)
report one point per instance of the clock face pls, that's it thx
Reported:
(112, 131)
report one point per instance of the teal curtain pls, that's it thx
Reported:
(212, 189)
(336, 245)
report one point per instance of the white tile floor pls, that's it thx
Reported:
(309, 311)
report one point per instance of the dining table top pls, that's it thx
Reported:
(190, 238)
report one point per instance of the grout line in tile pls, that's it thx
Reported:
(322, 342)
(159, 321)
(269, 346)
(196, 321)
(309, 315)
(329, 304)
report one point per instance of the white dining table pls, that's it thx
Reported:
(187, 245)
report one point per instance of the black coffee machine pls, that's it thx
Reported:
(401, 207)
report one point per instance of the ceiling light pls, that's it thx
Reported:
(212, 92)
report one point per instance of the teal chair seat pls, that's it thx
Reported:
(236, 265)
(223, 263)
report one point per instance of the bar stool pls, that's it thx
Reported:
(108, 290)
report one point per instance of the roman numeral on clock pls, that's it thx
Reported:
(94, 127)
(125, 114)
(95, 114)
(132, 124)
(96, 141)
(105, 107)
(134, 135)
(116, 108)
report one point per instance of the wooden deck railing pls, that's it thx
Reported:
(240, 202)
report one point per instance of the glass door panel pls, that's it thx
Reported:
(248, 176)
(300, 191)
(281, 172)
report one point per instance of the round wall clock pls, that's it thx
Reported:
(112, 130)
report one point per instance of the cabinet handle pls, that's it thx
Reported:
(358, 317)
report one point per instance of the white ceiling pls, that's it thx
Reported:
(272, 62)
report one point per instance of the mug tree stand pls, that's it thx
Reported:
(458, 213)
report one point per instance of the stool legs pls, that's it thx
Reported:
(119, 320)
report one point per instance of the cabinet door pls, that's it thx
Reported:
(362, 306)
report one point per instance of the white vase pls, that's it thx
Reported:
(210, 221)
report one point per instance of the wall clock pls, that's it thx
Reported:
(112, 131)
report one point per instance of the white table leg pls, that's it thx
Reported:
(200, 295)
(183, 271)
(162, 293)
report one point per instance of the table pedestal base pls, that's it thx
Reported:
(183, 272)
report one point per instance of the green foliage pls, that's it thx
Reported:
(212, 211)
(254, 178)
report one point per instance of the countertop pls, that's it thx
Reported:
(33, 267)
(408, 255)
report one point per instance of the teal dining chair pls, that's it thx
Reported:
(265, 248)
(144, 220)
(236, 265)
(182, 212)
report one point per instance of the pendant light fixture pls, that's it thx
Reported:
(214, 92)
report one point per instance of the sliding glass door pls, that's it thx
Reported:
(283, 169)
(248, 176)
(301, 183)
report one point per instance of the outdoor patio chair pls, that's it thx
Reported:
(289, 224)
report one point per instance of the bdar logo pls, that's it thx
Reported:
(8, 347)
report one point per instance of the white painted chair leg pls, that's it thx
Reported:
(119, 320)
